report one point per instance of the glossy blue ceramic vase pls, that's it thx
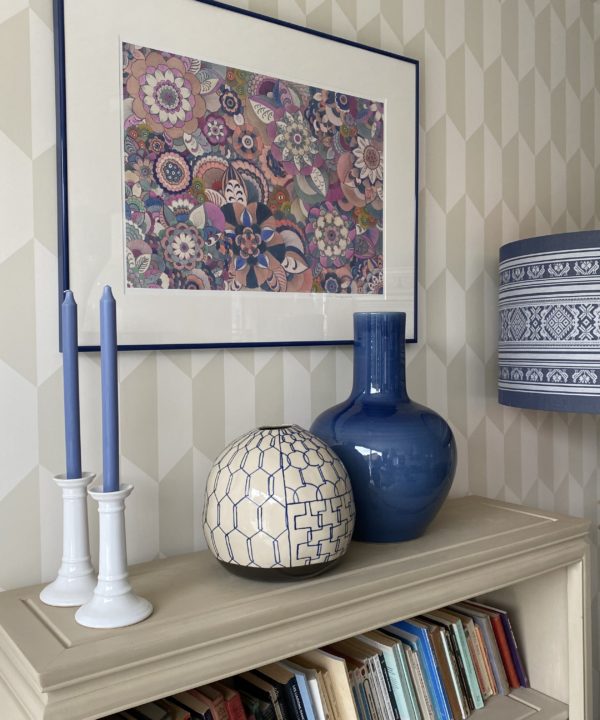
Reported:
(401, 456)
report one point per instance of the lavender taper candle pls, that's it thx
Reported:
(71, 385)
(110, 393)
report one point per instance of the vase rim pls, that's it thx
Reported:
(283, 426)
(379, 313)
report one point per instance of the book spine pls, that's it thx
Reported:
(354, 686)
(370, 698)
(396, 685)
(455, 676)
(275, 695)
(430, 672)
(362, 696)
(294, 700)
(406, 681)
(514, 651)
(486, 660)
(478, 662)
(387, 688)
(494, 657)
(235, 709)
(425, 703)
(195, 715)
(335, 710)
(324, 696)
(375, 687)
(278, 705)
(306, 697)
(216, 706)
(457, 663)
(443, 670)
(511, 674)
(468, 665)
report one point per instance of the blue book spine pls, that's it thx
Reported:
(305, 696)
(432, 676)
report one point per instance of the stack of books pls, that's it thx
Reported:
(442, 665)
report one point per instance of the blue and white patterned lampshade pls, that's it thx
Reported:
(549, 335)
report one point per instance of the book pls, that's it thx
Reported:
(498, 628)
(437, 692)
(318, 691)
(446, 668)
(413, 642)
(213, 698)
(336, 681)
(399, 687)
(285, 681)
(454, 626)
(267, 693)
(198, 709)
(303, 686)
(511, 640)
(174, 712)
(456, 673)
(361, 681)
(380, 702)
(421, 691)
(233, 701)
(380, 667)
(150, 711)
(256, 708)
(406, 676)
(484, 624)
(514, 650)
(477, 649)
(486, 659)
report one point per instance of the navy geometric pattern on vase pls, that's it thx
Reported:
(549, 322)
(278, 497)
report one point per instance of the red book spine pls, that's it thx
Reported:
(511, 673)
(235, 709)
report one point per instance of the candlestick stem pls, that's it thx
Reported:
(74, 584)
(114, 604)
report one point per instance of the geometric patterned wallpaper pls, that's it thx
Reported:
(510, 147)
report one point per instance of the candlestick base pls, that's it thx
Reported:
(76, 579)
(114, 612)
(114, 604)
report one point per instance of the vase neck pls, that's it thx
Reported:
(379, 356)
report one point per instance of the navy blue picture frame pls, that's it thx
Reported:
(62, 174)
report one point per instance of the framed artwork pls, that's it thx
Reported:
(235, 179)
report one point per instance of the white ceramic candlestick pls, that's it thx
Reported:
(113, 604)
(76, 579)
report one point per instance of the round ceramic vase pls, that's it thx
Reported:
(278, 505)
(400, 456)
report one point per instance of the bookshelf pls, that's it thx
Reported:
(209, 623)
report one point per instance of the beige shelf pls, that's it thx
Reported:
(209, 623)
(522, 704)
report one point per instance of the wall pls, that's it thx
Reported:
(510, 147)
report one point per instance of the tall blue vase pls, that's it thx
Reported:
(401, 456)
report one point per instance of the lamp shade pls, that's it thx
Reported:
(549, 324)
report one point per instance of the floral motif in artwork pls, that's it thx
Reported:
(241, 181)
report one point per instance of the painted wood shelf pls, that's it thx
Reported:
(209, 623)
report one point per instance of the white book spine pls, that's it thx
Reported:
(419, 682)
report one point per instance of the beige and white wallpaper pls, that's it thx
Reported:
(510, 147)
